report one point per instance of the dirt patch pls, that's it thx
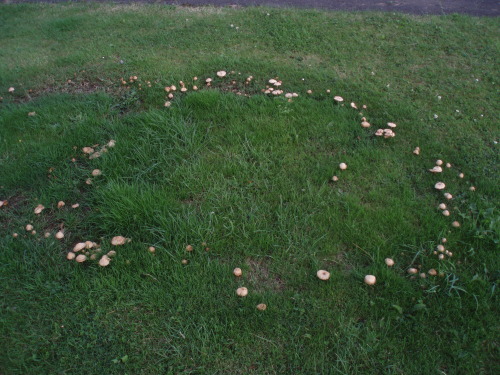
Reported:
(261, 277)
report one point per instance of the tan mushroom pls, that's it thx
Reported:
(79, 247)
(338, 99)
(70, 256)
(436, 169)
(60, 204)
(237, 272)
(104, 261)
(119, 240)
(81, 258)
(59, 235)
(440, 185)
(389, 262)
(242, 292)
(370, 280)
(323, 275)
(29, 227)
(261, 306)
(432, 272)
(343, 166)
(416, 151)
(39, 209)
(96, 172)
(189, 248)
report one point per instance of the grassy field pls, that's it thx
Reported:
(245, 177)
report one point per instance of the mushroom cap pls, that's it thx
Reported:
(389, 262)
(29, 227)
(60, 204)
(39, 209)
(379, 132)
(455, 224)
(323, 275)
(412, 271)
(365, 124)
(79, 246)
(448, 165)
(81, 258)
(184, 261)
(446, 213)
(111, 253)
(151, 249)
(432, 272)
(335, 178)
(436, 169)
(448, 196)
(242, 292)
(47, 234)
(440, 185)
(221, 73)
(96, 172)
(440, 248)
(338, 99)
(87, 150)
(104, 261)
(391, 125)
(119, 240)
(472, 188)
(261, 306)
(237, 272)
(343, 166)
(112, 143)
(444, 240)
(442, 206)
(417, 151)
(461, 175)
(76, 205)
(272, 81)
(353, 105)
(59, 235)
(14, 235)
(70, 256)
(89, 244)
(439, 162)
(370, 280)
(189, 248)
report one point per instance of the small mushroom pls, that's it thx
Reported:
(70, 256)
(472, 188)
(76, 205)
(87, 150)
(60, 204)
(237, 272)
(15, 235)
(11, 89)
(365, 124)
(370, 280)
(33, 232)
(89, 244)
(455, 224)
(448, 196)
(189, 248)
(39, 209)
(442, 206)
(309, 92)
(444, 240)
(379, 132)
(79, 247)
(221, 73)
(46, 234)
(323, 275)
(436, 169)
(440, 248)
(343, 166)
(440, 185)
(439, 162)
(416, 151)
(119, 240)
(353, 105)
(104, 261)
(242, 292)
(81, 258)
(261, 306)
(29, 227)
(432, 272)
(448, 165)
(184, 261)
(338, 99)
(112, 143)
(88, 181)
(461, 175)
(151, 249)
(111, 253)
(335, 178)
(446, 213)
(96, 172)
(423, 275)
(59, 235)
(412, 271)
(441, 256)
(391, 125)
(389, 262)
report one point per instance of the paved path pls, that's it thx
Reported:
(473, 7)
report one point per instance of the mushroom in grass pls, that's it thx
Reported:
(343, 166)
(416, 151)
(335, 178)
(81, 258)
(184, 261)
(237, 272)
(446, 213)
(442, 206)
(60, 204)
(439, 162)
(472, 188)
(87, 150)
(448, 196)
(79, 247)
(439, 186)
(11, 89)
(221, 73)
(29, 227)
(391, 125)
(59, 235)
(440, 248)
(96, 172)
(323, 275)
(119, 240)
(39, 209)
(104, 261)
(455, 224)
(353, 105)
(389, 262)
(448, 165)
(412, 271)
(338, 99)
(112, 143)
(379, 132)
(370, 280)
(365, 124)
(432, 272)
(46, 234)
(76, 205)
(242, 292)
(261, 306)
(111, 253)
(70, 256)
(189, 248)
(151, 249)
(436, 169)
(461, 175)
(15, 235)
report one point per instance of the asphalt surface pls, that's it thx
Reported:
(473, 7)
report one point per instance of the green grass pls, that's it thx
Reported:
(249, 175)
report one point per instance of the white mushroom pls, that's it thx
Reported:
(242, 292)
(39, 209)
(440, 185)
(439, 162)
(81, 258)
(412, 271)
(59, 235)
(29, 227)
(335, 178)
(96, 172)
(391, 125)
(446, 213)
(237, 272)
(119, 240)
(365, 124)
(79, 247)
(442, 206)
(370, 280)
(221, 73)
(261, 306)
(432, 272)
(455, 224)
(338, 99)
(323, 275)
(104, 261)
(389, 262)
(436, 169)
(343, 166)
(70, 256)
(60, 204)
(416, 151)
(448, 196)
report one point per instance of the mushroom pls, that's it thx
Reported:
(184, 89)
(76, 205)
(221, 73)
(391, 125)
(370, 280)
(416, 151)
(242, 292)
(39, 209)
(184, 261)
(461, 175)
(436, 169)
(455, 224)
(379, 132)
(14, 235)
(338, 99)
(46, 234)
(472, 188)
(11, 89)
(70, 256)
(423, 275)
(60, 204)
(96, 172)
(195, 88)
(272, 81)
(189, 248)
(81, 258)
(446, 213)
(33, 232)
(288, 95)
(119, 240)
(79, 246)
(89, 244)
(309, 92)
(29, 227)
(343, 166)
(335, 178)
(104, 261)
(88, 181)
(112, 143)
(441, 256)
(59, 235)
(412, 271)
(389, 262)
(442, 206)
(353, 105)
(151, 249)
(261, 306)
(237, 272)
(444, 240)
(448, 165)
(440, 185)
(448, 196)
(87, 150)
(208, 80)
(365, 124)
(432, 272)
(439, 162)
(328, 91)
(111, 253)
(170, 96)
(323, 275)
(440, 248)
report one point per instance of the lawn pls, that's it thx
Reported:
(243, 178)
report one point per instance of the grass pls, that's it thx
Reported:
(249, 175)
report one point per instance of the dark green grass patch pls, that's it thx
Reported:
(246, 179)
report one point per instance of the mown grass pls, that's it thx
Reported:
(250, 176)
